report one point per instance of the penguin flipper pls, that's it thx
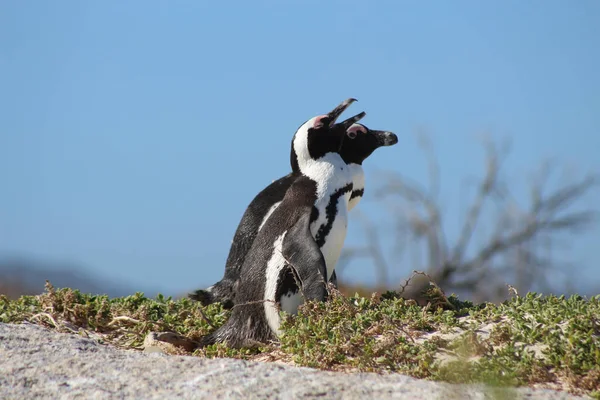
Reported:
(303, 254)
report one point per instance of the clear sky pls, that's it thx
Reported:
(134, 134)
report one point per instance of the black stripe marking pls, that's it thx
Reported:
(357, 193)
(330, 214)
(286, 284)
(314, 215)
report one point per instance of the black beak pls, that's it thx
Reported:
(336, 112)
(385, 138)
(352, 120)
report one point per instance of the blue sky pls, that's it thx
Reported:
(133, 134)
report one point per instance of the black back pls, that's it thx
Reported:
(224, 291)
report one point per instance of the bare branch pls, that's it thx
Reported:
(565, 196)
(514, 244)
(374, 248)
(485, 188)
(434, 169)
(430, 227)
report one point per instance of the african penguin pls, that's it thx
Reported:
(285, 253)
(360, 142)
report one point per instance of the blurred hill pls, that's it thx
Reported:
(22, 276)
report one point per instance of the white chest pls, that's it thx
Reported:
(334, 187)
(358, 184)
(329, 230)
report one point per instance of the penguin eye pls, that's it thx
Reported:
(354, 130)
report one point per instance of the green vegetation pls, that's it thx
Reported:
(534, 340)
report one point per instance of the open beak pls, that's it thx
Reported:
(345, 125)
(336, 112)
(384, 138)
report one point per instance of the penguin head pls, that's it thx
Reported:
(321, 135)
(360, 142)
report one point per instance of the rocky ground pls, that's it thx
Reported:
(36, 363)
